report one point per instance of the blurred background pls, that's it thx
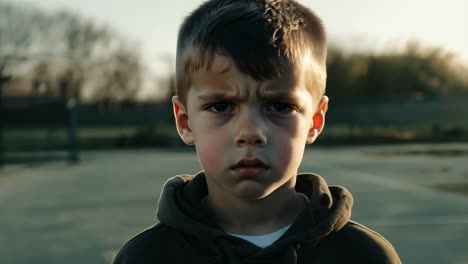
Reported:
(85, 91)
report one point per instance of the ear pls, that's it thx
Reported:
(182, 121)
(318, 120)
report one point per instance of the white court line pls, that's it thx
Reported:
(387, 181)
(420, 221)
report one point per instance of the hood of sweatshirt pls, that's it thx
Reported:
(183, 206)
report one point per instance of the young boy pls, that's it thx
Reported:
(250, 95)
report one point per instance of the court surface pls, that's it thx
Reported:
(59, 213)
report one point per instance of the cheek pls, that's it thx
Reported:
(291, 150)
(210, 150)
(292, 143)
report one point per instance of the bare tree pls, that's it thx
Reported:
(73, 55)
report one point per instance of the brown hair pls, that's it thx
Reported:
(264, 38)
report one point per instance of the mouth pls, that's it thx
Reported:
(249, 167)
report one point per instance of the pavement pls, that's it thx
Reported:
(59, 213)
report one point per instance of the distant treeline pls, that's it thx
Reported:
(417, 71)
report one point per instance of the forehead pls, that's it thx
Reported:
(224, 75)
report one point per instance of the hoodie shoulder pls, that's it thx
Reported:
(149, 246)
(163, 244)
(355, 243)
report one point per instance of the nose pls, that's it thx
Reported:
(251, 129)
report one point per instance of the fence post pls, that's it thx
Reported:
(2, 150)
(73, 152)
(3, 80)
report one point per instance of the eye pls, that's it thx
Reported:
(280, 107)
(221, 107)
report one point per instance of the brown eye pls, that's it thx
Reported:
(279, 107)
(221, 107)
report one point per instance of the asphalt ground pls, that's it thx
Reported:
(59, 213)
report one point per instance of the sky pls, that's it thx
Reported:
(374, 25)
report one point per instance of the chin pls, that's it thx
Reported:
(253, 191)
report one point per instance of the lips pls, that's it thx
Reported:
(249, 167)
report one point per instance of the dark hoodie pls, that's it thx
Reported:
(322, 233)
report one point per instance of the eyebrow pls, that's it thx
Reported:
(278, 95)
(275, 95)
(218, 96)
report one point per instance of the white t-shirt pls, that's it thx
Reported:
(264, 241)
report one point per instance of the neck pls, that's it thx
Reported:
(260, 216)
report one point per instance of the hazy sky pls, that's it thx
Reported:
(359, 24)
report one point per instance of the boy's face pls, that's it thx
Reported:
(249, 135)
